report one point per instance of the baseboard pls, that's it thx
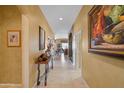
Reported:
(10, 85)
(35, 84)
(86, 84)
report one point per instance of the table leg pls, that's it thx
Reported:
(46, 71)
(52, 62)
(38, 77)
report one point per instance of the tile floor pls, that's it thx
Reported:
(64, 75)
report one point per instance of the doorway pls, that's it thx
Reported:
(70, 47)
(25, 51)
(77, 49)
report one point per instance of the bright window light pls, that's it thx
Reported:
(60, 18)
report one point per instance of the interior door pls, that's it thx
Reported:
(77, 49)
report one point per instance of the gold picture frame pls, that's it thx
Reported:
(13, 38)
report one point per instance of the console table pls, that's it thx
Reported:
(46, 69)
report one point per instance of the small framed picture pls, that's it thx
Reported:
(14, 38)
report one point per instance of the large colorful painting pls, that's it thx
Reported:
(106, 29)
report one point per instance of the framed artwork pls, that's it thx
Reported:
(13, 38)
(41, 38)
(106, 29)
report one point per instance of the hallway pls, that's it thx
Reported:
(92, 36)
(64, 75)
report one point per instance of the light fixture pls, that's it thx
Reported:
(60, 18)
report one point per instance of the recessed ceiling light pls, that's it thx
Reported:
(60, 18)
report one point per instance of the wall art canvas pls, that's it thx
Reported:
(106, 29)
(41, 38)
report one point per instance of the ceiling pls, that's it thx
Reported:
(54, 12)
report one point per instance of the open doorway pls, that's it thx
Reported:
(70, 47)
(25, 51)
(77, 50)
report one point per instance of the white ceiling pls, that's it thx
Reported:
(67, 12)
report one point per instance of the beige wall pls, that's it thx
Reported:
(10, 61)
(11, 58)
(0, 35)
(36, 19)
(98, 70)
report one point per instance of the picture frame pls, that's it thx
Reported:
(13, 38)
(41, 38)
(100, 42)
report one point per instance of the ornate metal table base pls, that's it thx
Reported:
(46, 71)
